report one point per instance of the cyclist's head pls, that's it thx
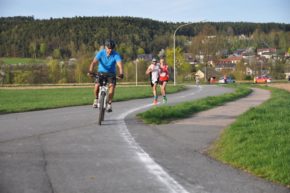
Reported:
(110, 44)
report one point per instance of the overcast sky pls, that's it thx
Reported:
(263, 11)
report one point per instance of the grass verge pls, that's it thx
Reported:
(165, 114)
(19, 100)
(258, 141)
(18, 60)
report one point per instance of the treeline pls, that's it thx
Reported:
(73, 37)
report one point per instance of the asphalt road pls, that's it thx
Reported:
(65, 151)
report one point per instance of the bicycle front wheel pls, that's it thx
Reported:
(101, 108)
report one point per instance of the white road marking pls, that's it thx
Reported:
(193, 93)
(172, 185)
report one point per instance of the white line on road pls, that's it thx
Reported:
(172, 185)
(193, 93)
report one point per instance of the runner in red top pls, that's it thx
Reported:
(163, 78)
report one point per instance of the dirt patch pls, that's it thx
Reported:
(285, 86)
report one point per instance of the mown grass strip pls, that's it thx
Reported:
(258, 141)
(165, 114)
(20, 100)
(18, 60)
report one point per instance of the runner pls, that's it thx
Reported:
(163, 78)
(153, 70)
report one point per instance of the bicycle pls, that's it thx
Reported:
(103, 93)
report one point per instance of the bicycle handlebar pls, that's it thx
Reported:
(96, 75)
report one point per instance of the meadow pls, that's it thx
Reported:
(258, 141)
(27, 99)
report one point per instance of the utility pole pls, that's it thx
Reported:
(174, 57)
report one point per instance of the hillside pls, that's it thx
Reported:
(70, 37)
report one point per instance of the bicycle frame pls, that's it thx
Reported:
(103, 95)
(103, 92)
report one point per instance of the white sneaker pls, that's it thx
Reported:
(109, 108)
(96, 104)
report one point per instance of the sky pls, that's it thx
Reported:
(260, 11)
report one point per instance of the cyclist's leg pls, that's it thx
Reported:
(111, 92)
(112, 85)
(96, 90)
(96, 93)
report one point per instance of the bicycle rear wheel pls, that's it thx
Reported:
(101, 108)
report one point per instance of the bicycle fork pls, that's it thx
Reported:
(104, 90)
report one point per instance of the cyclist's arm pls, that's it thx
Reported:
(92, 65)
(120, 66)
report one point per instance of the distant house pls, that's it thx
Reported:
(260, 51)
(239, 52)
(262, 66)
(248, 56)
(268, 55)
(225, 66)
(145, 57)
(200, 74)
(287, 75)
(249, 71)
(189, 58)
(230, 60)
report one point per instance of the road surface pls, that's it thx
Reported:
(65, 151)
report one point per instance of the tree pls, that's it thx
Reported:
(140, 51)
(82, 69)
(32, 49)
(56, 53)
(54, 71)
(182, 67)
(278, 69)
(43, 49)
(240, 72)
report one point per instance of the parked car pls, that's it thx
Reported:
(225, 80)
(262, 79)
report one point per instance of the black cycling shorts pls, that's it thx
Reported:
(111, 78)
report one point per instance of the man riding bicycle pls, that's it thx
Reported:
(107, 59)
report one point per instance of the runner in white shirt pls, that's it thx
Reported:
(154, 70)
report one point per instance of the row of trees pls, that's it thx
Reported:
(75, 71)
(64, 71)
(80, 37)
(73, 37)
(58, 71)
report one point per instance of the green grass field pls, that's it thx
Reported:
(165, 114)
(22, 60)
(258, 141)
(19, 100)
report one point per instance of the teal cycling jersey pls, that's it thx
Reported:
(107, 64)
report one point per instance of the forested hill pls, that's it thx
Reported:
(70, 37)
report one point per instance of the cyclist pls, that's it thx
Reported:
(163, 78)
(153, 70)
(107, 59)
